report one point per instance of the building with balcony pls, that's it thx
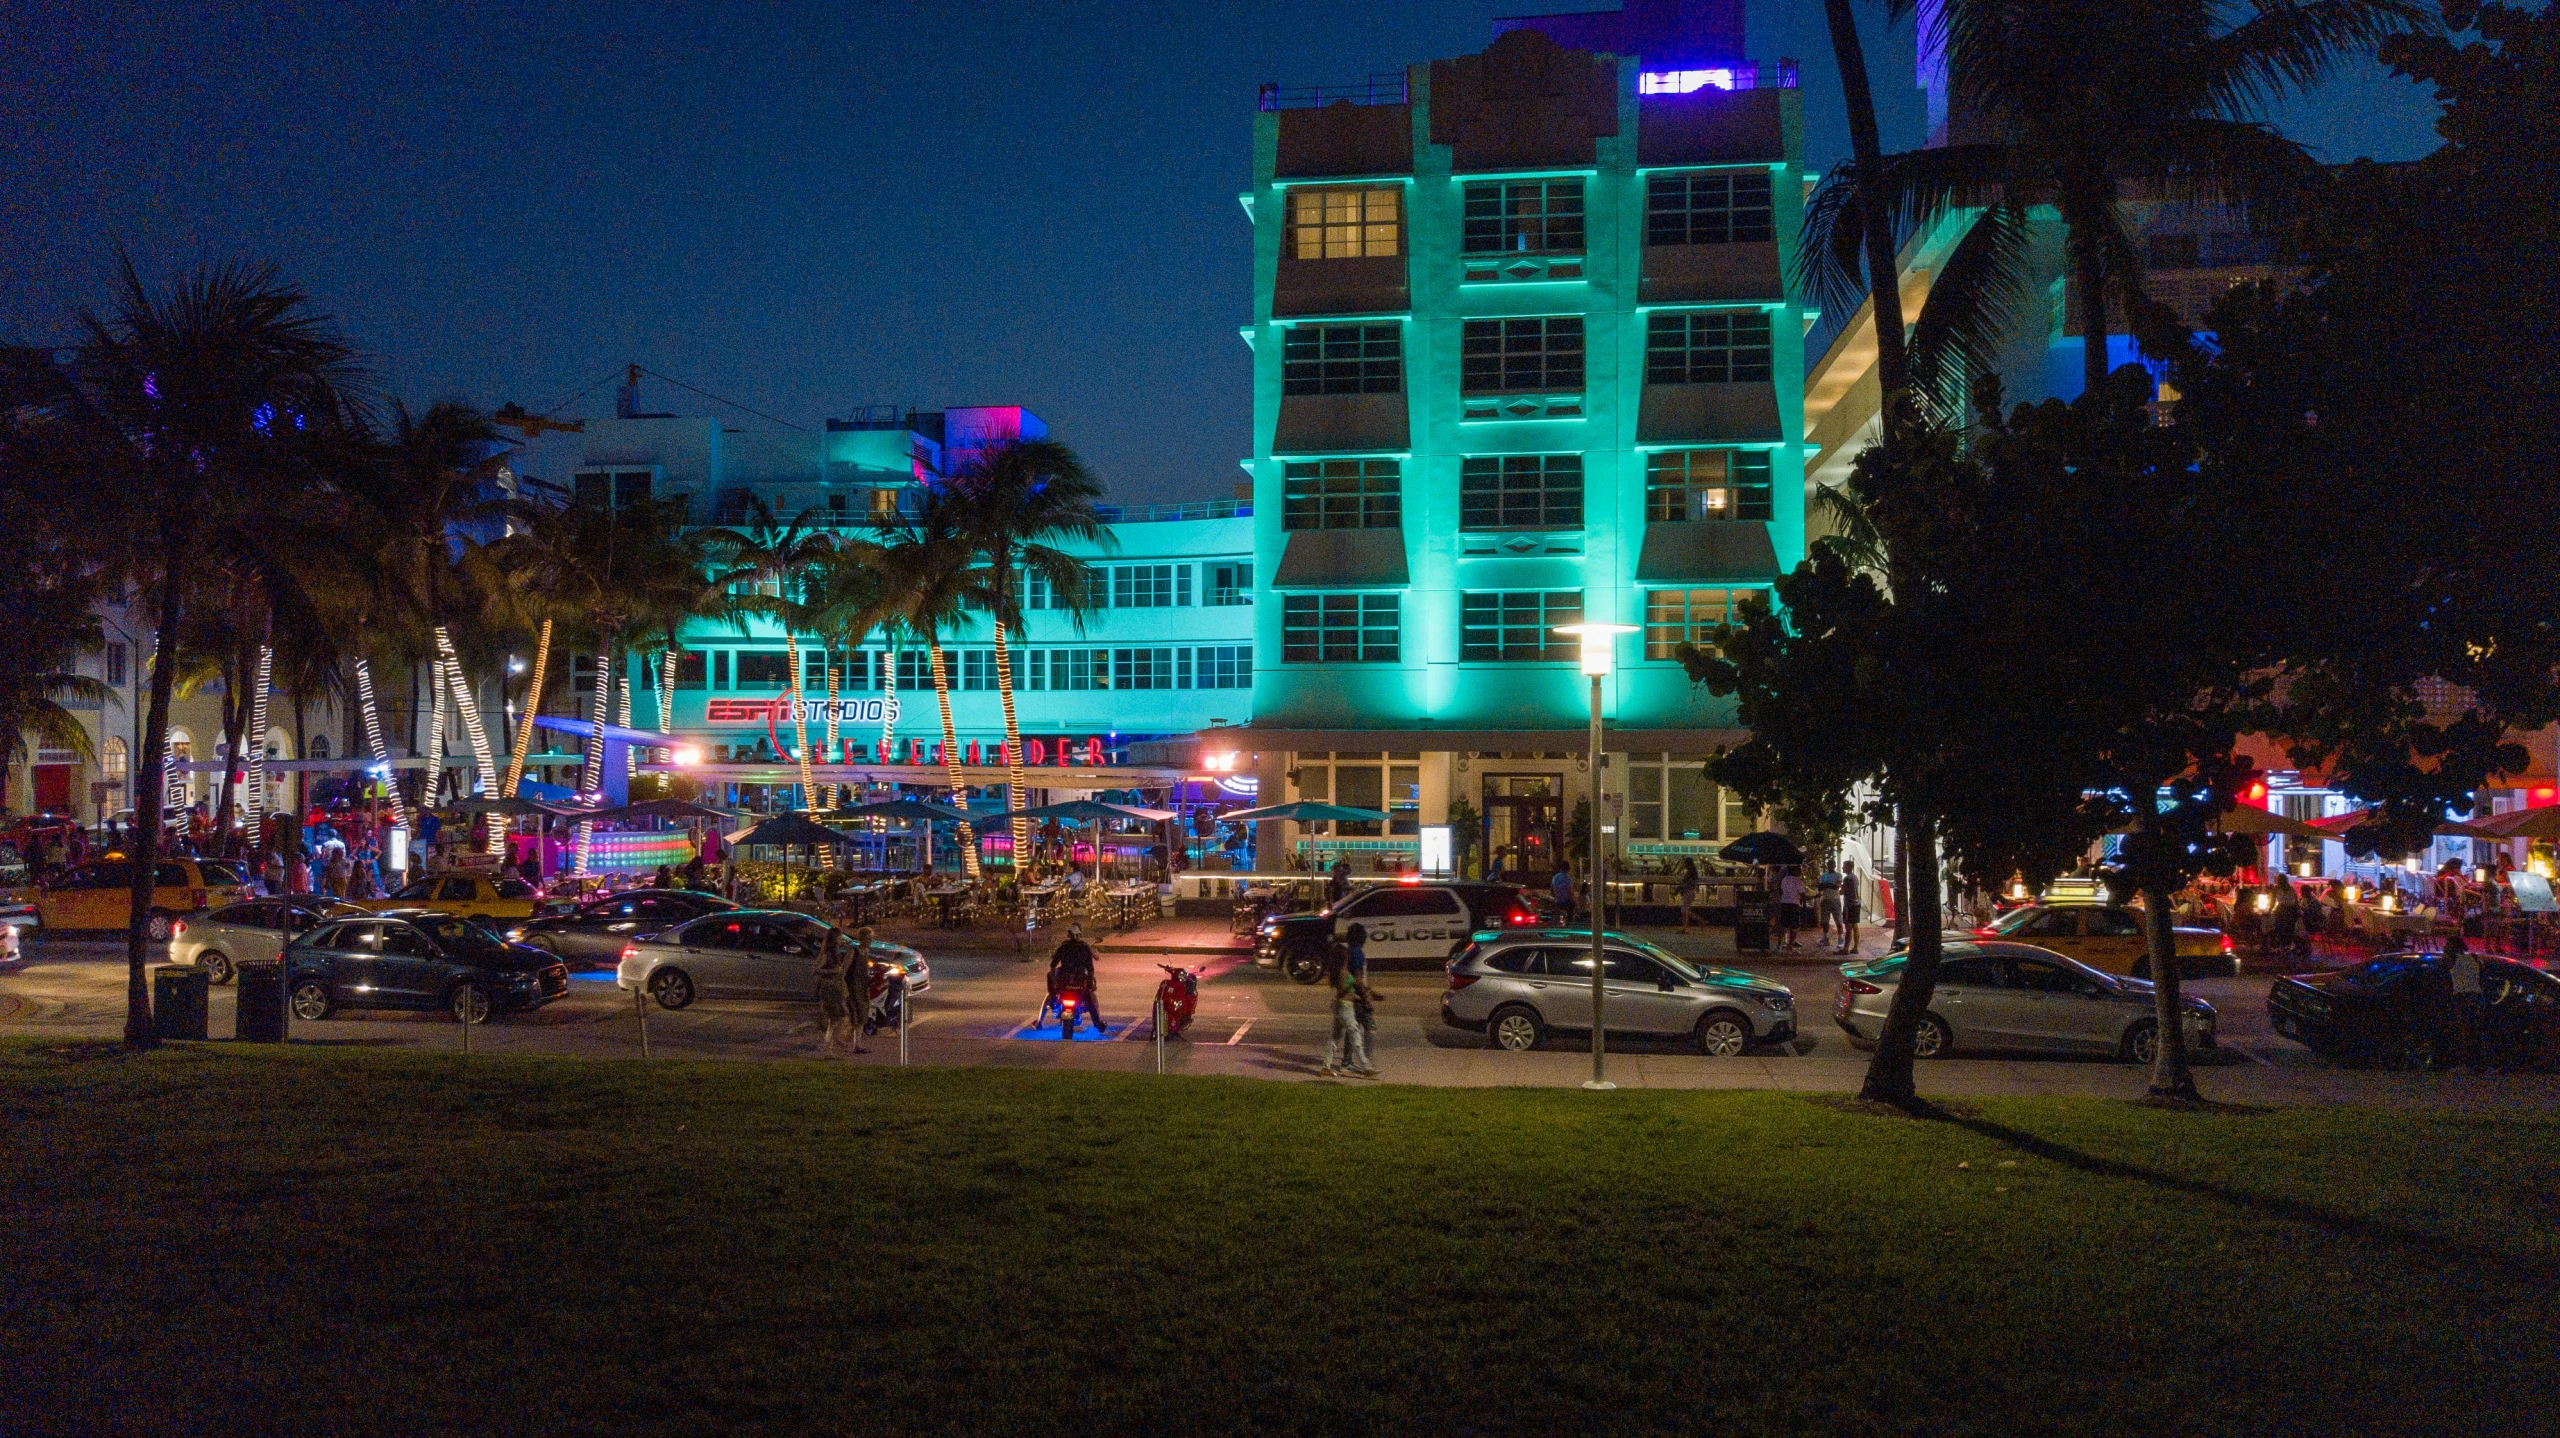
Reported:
(1525, 355)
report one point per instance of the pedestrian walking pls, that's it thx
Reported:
(1688, 889)
(342, 869)
(1826, 905)
(271, 873)
(1346, 1053)
(2470, 1004)
(834, 998)
(1561, 886)
(1849, 907)
(1790, 908)
(1365, 1006)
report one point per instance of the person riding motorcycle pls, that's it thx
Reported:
(1071, 971)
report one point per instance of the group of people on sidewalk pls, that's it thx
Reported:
(844, 974)
(1834, 902)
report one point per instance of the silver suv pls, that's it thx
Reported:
(1515, 987)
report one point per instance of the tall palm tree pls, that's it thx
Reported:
(209, 400)
(930, 582)
(843, 604)
(53, 620)
(1875, 232)
(770, 562)
(1015, 502)
(2093, 102)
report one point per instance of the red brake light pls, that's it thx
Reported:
(1523, 916)
(1985, 931)
(1859, 986)
(630, 952)
(1410, 879)
(178, 929)
(2226, 946)
(1460, 981)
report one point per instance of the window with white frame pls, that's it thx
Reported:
(977, 669)
(1142, 668)
(1150, 586)
(1345, 224)
(1229, 583)
(1519, 626)
(1224, 666)
(1067, 670)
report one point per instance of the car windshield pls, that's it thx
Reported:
(217, 873)
(457, 936)
(2383, 973)
(514, 889)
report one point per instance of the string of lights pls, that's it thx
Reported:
(373, 737)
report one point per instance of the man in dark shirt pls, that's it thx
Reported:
(1071, 971)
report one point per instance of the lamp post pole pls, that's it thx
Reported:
(1599, 1000)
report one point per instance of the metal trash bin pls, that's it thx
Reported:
(261, 1017)
(179, 994)
(1751, 922)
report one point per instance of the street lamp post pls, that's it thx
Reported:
(1599, 651)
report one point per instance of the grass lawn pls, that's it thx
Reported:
(218, 1239)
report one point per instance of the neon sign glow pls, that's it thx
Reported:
(1682, 82)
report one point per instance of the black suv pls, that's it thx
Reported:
(1411, 925)
(597, 932)
(417, 959)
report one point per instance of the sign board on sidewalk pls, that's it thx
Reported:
(2533, 892)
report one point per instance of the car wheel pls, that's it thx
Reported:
(1303, 963)
(469, 1003)
(1932, 1040)
(1516, 1029)
(1723, 1036)
(158, 927)
(2415, 1051)
(672, 988)
(311, 1001)
(2142, 1043)
(217, 966)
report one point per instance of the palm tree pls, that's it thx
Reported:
(207, 401)
(1014, 501)
(844, 600)
(1875, 232)
(52, 622)
(2093, 101)
(929, 583)
(769, 563)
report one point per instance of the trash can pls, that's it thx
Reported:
(261, 1015)
(178, 996)
(1751, 922)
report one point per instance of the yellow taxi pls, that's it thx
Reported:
(2108, 937)
(478, 897)
(100, 895)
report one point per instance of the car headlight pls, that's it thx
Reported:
(1779, 1002)
(516, 934)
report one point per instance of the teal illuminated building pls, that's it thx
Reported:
(1525, 354)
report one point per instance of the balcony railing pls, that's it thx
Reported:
(1386, 89)
(1157, 513)
(1781, 76)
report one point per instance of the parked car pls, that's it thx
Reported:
(100, 895)
(416, 959)
(1517, 986)
(596, 932)
(2008, 996)
(745, 954)
(478, 897)
(1411, 924)
(2109, 938)
(259, 929)
(2398, 1010)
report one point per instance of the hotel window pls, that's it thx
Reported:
(1526, 217)
(915, 670)
(1695, 484)
(115, 665)
(1224, 666)
(760, 669)
(1720, 208)
(1340, 628)
(1142, 668)
(1524, 356)
(1340, 494)
(627, 489)
(1519, 626)
(1520, 491)
(1707, 347)
(1069, 669)
(857, 670)
(1673, 617)
(1676, 800)
(1150, 586)
(112, 760)
(1341, 359)
(977, 669)
(1344, 224)
(1229, 584)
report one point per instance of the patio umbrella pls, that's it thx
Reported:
(2542, 823)
(2250, 819)
(1763, 848)
(2337, 825)
(790, 830)
(1304, 811)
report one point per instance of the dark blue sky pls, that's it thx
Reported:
(804, 207)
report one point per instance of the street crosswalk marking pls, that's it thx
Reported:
(1237, 1037)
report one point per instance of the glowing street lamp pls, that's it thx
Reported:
(1599, 656)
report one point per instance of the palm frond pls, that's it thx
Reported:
(2292, 44)
(1973, 301)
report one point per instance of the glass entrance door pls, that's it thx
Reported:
(1524, 822)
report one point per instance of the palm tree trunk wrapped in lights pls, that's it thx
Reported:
(373, 737)
(591, 779)
(827, 793)
(951, 760)
(253, 790)
(467, 705)
(800, 724)
(1013, 797)
(532, 706)
(433, 792)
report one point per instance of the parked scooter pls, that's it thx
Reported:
(888, 999)
(1177, 999)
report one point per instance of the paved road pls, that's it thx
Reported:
(1252, 1023)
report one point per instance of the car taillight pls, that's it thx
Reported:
(1523, 916)
(1986, 932)
(2227, 950)
(178, 929)
(630, 952)
(1460, 981)
(1858, 986)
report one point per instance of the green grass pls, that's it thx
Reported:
(228, 1240)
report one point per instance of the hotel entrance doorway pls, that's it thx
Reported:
(1524, 822)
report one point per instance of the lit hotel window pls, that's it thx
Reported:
(1673, 617)
(1344, 224)
(1340, 628)
(1519, 626)
(1697, 484)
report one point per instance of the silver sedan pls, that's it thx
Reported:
(2016, 997)
(745, 954)
(248, 932)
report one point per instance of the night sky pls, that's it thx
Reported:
(802, 207)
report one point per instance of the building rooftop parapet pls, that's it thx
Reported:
(1379, 89)
(1160, 513)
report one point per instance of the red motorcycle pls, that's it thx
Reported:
(1177, 999)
